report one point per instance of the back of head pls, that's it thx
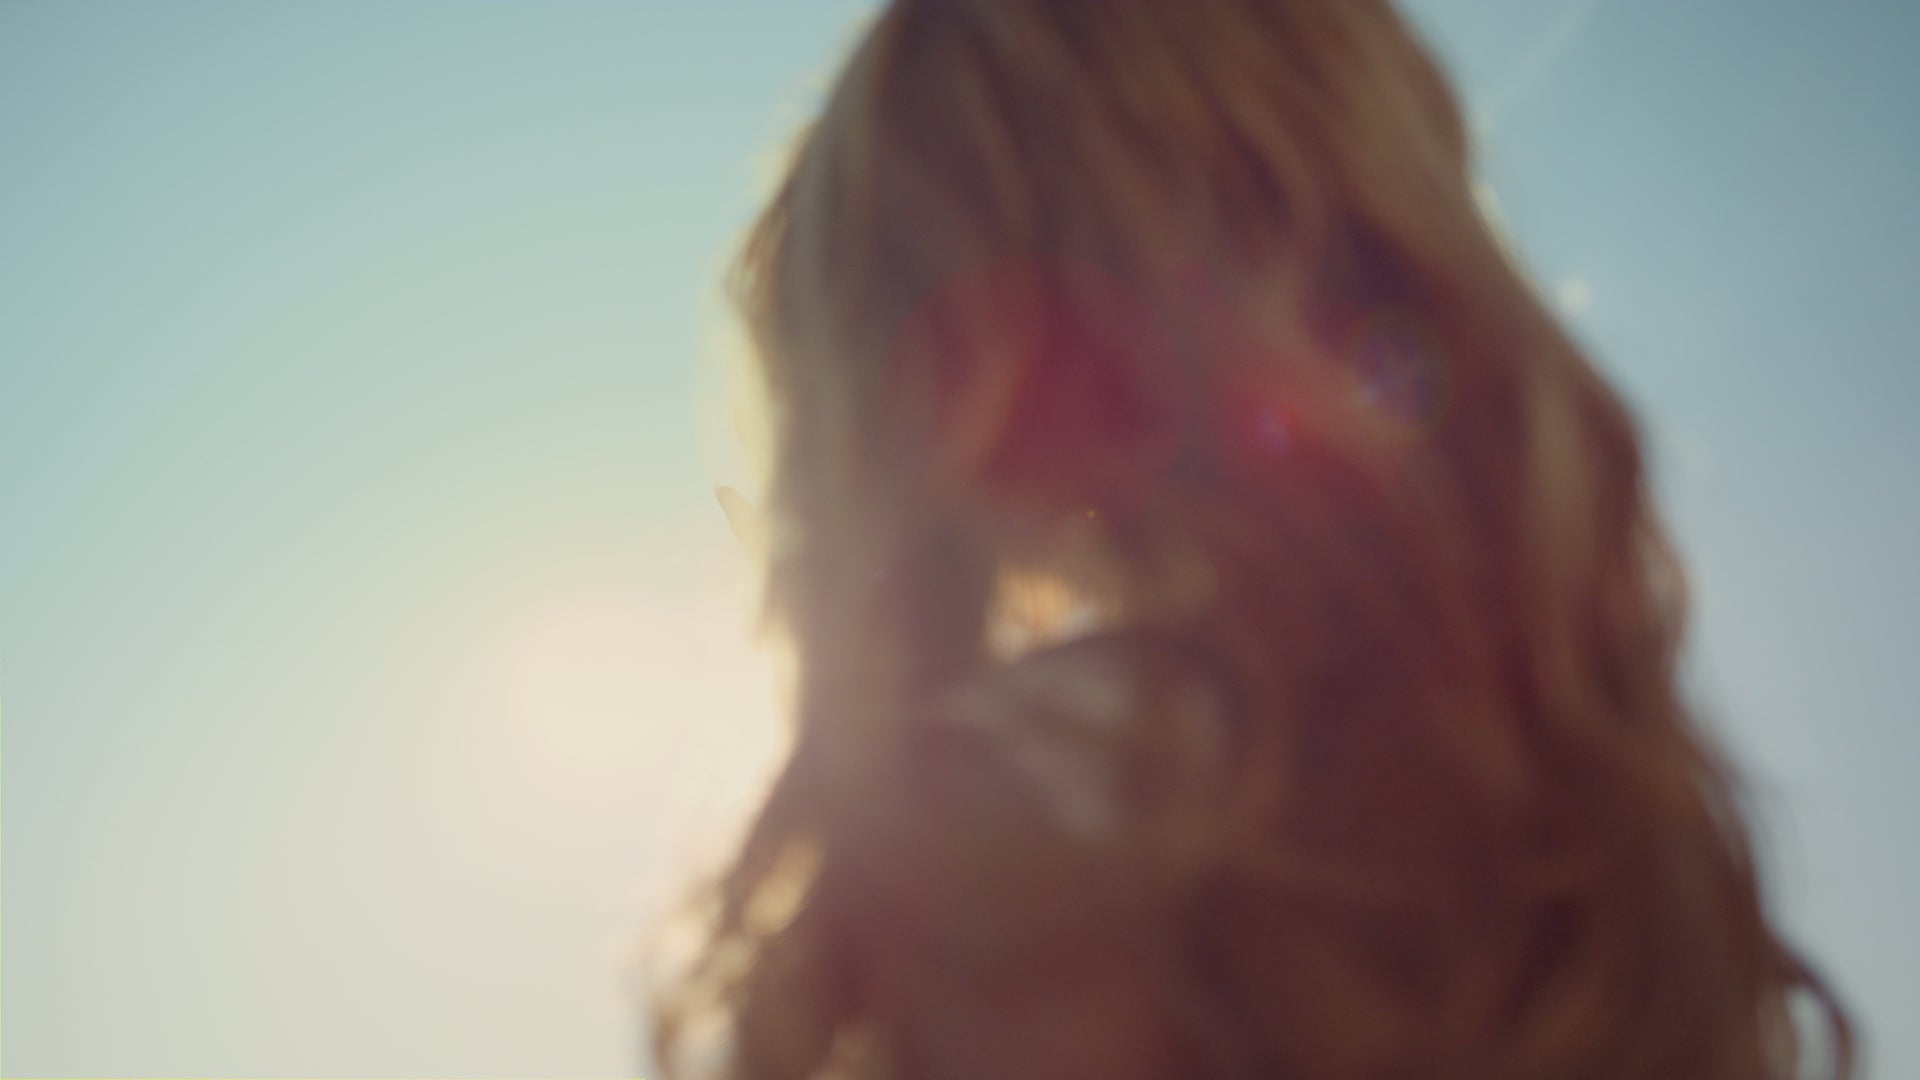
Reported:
(1185, 317)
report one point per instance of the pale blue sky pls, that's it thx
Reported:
(368, 633)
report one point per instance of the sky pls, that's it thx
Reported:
(373, 656)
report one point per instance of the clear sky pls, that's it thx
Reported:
(371, 643)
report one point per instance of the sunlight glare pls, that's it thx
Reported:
(671, 696)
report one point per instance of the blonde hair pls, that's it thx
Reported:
(1189, 311)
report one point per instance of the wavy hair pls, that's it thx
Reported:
(1163, 351)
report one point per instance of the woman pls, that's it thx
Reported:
(1233, 636)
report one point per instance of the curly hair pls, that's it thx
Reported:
(1233, 636)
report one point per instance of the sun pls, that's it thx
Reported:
(667, 691)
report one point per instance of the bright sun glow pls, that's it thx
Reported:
(609, 687)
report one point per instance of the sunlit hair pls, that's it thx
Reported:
(1182, 319)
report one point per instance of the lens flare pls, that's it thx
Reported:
(1402, 370)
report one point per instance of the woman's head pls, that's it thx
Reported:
(1188, 315)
